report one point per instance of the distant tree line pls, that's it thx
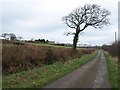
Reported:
(48, 42)
(13, 37)
(39, 41)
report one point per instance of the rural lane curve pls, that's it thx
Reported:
(93, 74)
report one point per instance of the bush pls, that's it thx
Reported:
(113, 49)
(49, 59)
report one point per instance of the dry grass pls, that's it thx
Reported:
(20, 57)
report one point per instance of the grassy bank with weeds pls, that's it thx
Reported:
(17, 56)
(39, 77)
(112, 70)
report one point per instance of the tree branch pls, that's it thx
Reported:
(86, 25)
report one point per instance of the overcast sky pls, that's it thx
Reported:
(43, 19)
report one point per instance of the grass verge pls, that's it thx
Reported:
(39, 77)
(112, 70)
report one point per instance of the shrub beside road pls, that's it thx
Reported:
(39, 77)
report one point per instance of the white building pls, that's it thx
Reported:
(2, 38)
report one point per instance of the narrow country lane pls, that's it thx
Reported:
(91, 75)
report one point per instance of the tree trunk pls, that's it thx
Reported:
(75, 40)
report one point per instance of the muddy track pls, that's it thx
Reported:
(94, 74)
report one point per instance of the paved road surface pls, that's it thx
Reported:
(91, 75)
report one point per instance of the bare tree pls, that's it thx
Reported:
(4, 35)
(82, 17)
(11, 36)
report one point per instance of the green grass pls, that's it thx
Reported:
(39, 77)
(50, 45)
(112, 70)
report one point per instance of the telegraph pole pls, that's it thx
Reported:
(115, 38)
(115, 45)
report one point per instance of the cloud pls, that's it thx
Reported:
(43, 19)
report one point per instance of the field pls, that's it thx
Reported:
(49, 45)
